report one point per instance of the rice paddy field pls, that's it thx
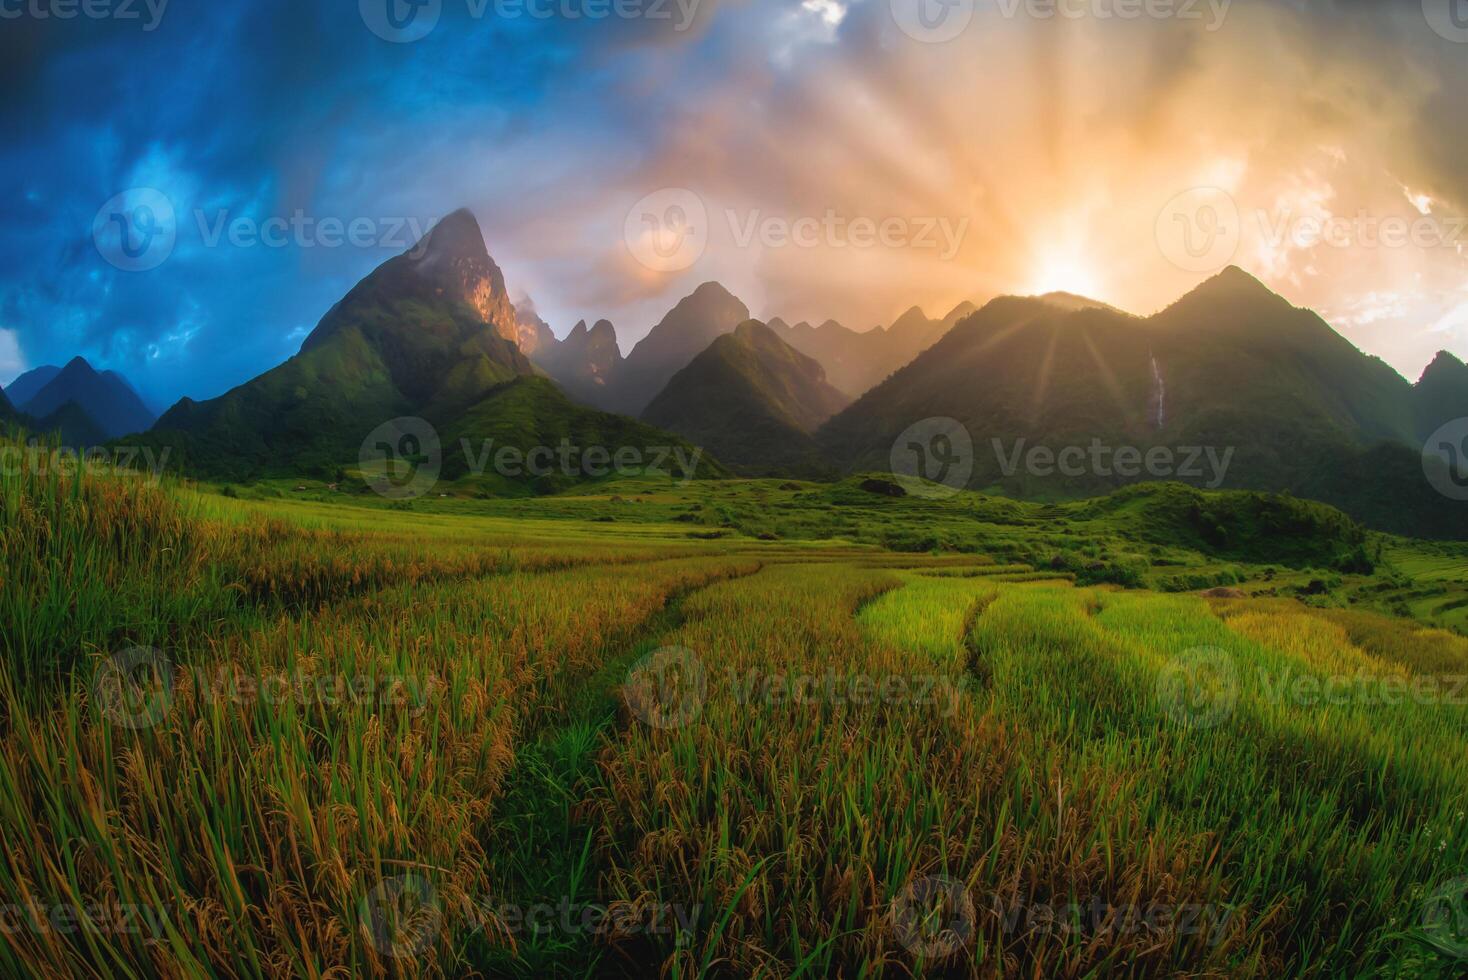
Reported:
(734, 729)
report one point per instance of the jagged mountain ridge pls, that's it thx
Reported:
(1231, 366)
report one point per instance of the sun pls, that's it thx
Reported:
(1064, 274)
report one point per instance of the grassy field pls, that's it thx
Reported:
(726, 728)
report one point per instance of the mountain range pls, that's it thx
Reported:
(589, 365)
(586, 363)
(1280, 400)
(429, 334)
(697, 320)
(1231, 367)
(82, 405)
(856, 361)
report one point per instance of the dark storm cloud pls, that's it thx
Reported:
(551, 127)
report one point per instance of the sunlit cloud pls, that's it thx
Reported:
(1056, 144)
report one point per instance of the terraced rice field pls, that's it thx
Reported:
(243, 739)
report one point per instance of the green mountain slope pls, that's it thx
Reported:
(72, 424)
(1231, 366)
(492, 442)
(427, 333)
(1441, 393)
(753, 401)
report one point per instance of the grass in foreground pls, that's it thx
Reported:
(401, 743)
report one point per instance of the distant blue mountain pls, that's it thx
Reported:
(29, 385)
(106, 400)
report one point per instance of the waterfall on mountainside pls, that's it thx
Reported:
(1159, 393)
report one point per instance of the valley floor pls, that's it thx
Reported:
(595, 736)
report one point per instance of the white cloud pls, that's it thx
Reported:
(831, 11)
(12, 362)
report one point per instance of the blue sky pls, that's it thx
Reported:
(258, 110)
(1054, 144)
